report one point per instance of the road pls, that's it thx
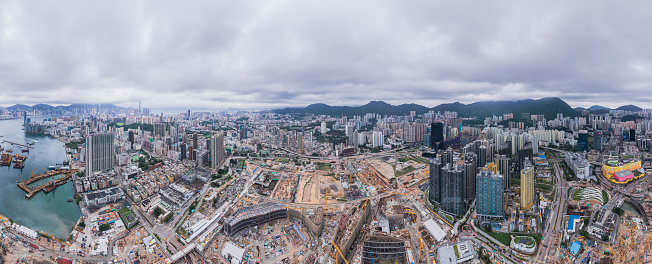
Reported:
(555, 220)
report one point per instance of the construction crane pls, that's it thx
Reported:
(363, 208)
(420, 243)
(439, 217)
(338, 251)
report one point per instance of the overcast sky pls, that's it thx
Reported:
(258, 54)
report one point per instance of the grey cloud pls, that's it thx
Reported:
(221, 54)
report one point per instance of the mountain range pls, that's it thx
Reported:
(50, 108)
(549, 107)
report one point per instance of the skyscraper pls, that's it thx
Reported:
(597, 140)
(195, 138)
(452, 190)
(490, 197)
(482, 156)
(217, 150)
(525, 153)
(435, 175)
(582, 141)
(436, 134)
(527, 185)
(504, 165)
(99, 152)
(470, 172)
(131, 138)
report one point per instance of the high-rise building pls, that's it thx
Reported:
(452, 190)
(527, 185)
(435, 175)
(436, 134)
(597, 140)
(504, 165)
(632, 134)
(183, 152)
(525, 153)
(99, 152)
(323, 127)
(131, 138)
(582, 141)
(447, 157)
(195, 139)
(217, 150)
(482, 156)
(300, 143)
(489, 195)
(378, 139)
(159, 129)
(470, 171)
(243, 132)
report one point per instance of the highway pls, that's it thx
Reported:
(554, 226)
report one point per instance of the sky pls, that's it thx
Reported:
(264, 54)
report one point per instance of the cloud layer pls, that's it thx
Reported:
(256, 54)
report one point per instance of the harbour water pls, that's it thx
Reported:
(47, 212)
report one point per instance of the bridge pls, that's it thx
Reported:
(14, 143)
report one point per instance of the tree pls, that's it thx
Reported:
(618, 211)
(157, 212)
(584, 233)
(168, 217)
(82, 224)
(104, 227)
(604, 238)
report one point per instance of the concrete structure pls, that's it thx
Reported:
(527, 185)
(383, 249)
(253, 216)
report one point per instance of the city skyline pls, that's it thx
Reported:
(216, 55)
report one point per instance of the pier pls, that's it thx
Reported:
(48, 186)
(14, 143)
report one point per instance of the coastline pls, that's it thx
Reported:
(4, 214)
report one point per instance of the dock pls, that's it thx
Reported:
(48, 186)
(14, 143)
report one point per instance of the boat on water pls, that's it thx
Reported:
(19, 164)
(52, 167)
(24, 150)
(70, 200)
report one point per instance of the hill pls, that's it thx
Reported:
(51, 109)
(632, 108)
(379, 107)
(546, 106)
(598, 107)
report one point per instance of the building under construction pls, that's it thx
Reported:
(253, 216)
(384, 250)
